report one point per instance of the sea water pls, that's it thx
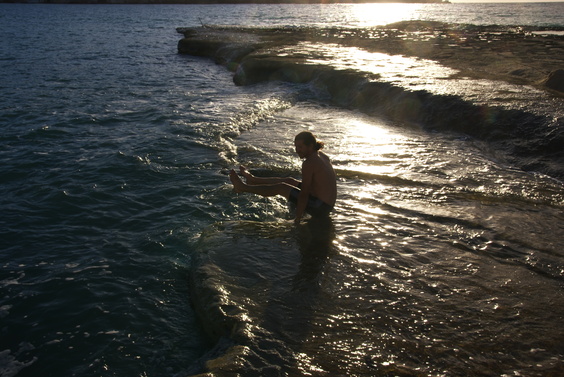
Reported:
(124, 251)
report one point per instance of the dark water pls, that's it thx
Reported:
(123, 250)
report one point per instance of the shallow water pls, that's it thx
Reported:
(441, 258)
(438, 260)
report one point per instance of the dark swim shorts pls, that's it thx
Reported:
(315, 206)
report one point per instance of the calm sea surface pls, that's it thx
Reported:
(124, 251)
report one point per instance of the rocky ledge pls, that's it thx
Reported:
(513, 54)
(517, 56)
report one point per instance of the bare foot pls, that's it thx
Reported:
(245, 173)
(238, 185)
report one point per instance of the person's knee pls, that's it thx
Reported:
(286, 189)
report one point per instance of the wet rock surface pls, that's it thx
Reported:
(512, 54)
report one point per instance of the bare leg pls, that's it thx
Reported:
(252, 180)
(248, 176)
(282, 189)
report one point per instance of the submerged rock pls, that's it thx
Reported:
(555, 80)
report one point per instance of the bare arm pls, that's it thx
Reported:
(307, 180)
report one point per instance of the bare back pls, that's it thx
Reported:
(324, 182)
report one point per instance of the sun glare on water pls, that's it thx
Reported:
(372, 147)
(366, 15)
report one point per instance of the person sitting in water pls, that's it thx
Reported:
(315, 194)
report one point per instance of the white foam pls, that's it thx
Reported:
(10, 366)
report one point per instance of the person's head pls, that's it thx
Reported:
(306, 143)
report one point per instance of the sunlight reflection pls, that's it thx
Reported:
(413, 72)
(383, 14)
(417, 74)
(369, 151)
(369, 148)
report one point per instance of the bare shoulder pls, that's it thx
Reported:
(324, 157)
(318, 161)
(314, 160)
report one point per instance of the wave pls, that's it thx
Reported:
(527, 126)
